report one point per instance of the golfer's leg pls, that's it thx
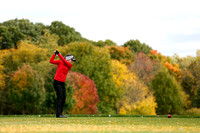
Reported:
(59, 99)
(63, 97)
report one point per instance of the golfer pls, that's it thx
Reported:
(63, 66)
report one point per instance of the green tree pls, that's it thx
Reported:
(66, 34)
(196, 100)
(95, 62)
(136, 46)
(188, 83)
(101, 43)
(27, 28)
(9, 37)
(13, 31)
(167, 93)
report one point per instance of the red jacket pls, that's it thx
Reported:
(62, 69)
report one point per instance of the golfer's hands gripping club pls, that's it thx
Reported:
(56, 52)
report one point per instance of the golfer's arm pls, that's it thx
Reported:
(52, 61)
(63, 59)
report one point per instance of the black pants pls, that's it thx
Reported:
(60, 89)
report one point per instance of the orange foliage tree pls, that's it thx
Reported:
(85, 94)
(122, 54)
(173, 68)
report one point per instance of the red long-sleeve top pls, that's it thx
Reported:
(62, 68)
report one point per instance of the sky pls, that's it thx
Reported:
(169, 26)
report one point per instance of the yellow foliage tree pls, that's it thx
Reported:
(3, 54)
(11, 59)
(28, 53)
(49, 41)
(135, 98)
(2, 78)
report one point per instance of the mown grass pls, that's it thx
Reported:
(98, 124)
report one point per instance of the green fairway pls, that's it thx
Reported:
(98, 124)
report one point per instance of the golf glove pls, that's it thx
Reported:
(56, 52)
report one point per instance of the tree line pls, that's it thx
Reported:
(106, 78)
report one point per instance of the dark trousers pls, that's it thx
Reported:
(59, 87)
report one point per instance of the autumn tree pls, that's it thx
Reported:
(4, 78)
(134, 96)
(183, 62)
(85, 94)
(122, 54)
(12, 59)
(173, 67)
(26, 53)
(3, 53)
(154, 54)
(48, 41)
(194, 69)
(189, 75)
(26, 92)
(2, 90)
(144, 67)
(188, 83)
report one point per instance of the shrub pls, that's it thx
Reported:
(193, 112)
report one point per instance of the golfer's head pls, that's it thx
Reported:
(70, 58)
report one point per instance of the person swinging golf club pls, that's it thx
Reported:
(63, 66)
